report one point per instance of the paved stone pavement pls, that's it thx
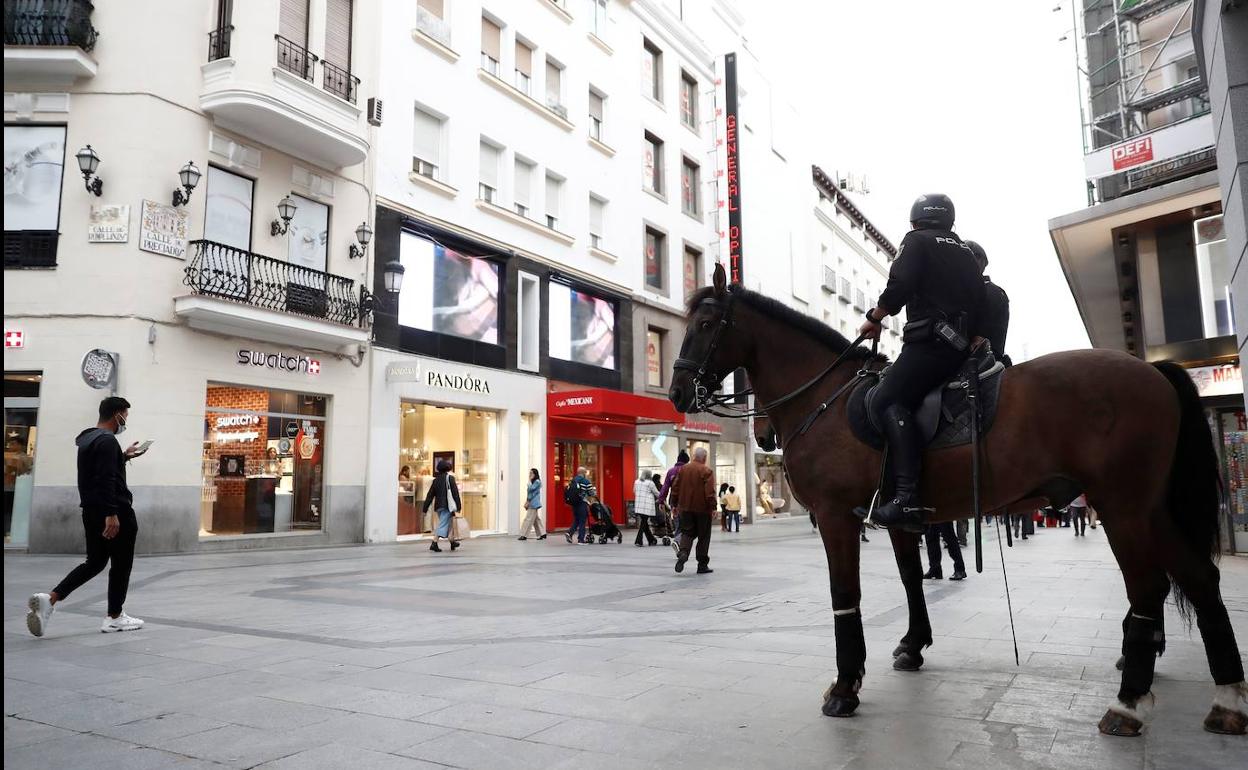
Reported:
(544, 655)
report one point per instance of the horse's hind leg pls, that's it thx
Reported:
(840, 543)
(1196, 578)
(909, 653)
(1147, 587)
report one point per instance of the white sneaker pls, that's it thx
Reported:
(122, 622)
(40, 614)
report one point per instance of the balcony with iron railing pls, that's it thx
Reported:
(263, 85)
(48, 40)
(237, 292)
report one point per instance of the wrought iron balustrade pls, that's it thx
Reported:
(219, 43)
(49, 23)
(294, 58)
(217, 270)
(339, 81)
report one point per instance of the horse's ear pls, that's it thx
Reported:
(720, 279)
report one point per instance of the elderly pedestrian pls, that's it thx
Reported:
(577, 495)
(693, 493)
(533, 504)
(646, 499)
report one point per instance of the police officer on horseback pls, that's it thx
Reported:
(994, 318)
(936, 279)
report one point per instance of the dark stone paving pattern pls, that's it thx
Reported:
(544, 655)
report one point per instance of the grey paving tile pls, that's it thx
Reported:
(239, 746)
(338, 756)
(88, 713)
(21, 732)
(372, 732)
(397, 705)
(494, 720)
(489, 752)
(94, 751)
(146, 732)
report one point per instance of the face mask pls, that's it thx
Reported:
(121, 427)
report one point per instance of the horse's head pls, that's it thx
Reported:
(711, 349)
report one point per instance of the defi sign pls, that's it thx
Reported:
(1132, 153)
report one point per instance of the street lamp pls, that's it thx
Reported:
(286, 209)
(363, 234)
(392, 280)
(189, 177)
(88, 162)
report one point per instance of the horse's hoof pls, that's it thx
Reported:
(840, 706)
(1225, 721)
(899, 649)
(1122, 661)
(908, 661)
(1115, 723)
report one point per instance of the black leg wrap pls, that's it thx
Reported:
(1140, 652)
(1220, 648)
(851, 656)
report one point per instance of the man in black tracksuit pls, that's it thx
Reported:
(936, 279)
(994, 321)
(108, 521)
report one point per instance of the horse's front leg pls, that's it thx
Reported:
(840, 542)
(908, 656)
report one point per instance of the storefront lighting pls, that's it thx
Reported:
(189, 176)
(392, 276)
(286, 209)
(392, 281)
(363, 234)
(88, 162)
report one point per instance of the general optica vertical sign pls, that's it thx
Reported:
(732, 156)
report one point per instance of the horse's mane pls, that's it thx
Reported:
(799, 321)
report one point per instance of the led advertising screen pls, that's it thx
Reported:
(448, 292)
(582, 327)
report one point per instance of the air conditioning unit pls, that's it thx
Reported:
(845, 293)
(829, 280)
(860, 300)
(374, 111)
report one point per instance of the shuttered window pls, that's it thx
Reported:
(554, 83)
(292, 22)
(597, 208)
(524, 59)
(554, 188)
(338, 33)
(427, 144)
(595, 114)
(524, 187)
(491, 40)
(489, 171)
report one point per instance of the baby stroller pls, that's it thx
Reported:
(601, 526)
(661, 524)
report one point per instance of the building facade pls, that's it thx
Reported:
(184, 235)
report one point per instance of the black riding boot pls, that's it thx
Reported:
(904, 452)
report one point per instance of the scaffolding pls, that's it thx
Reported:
(1138, 74)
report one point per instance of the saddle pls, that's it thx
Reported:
(944, 417)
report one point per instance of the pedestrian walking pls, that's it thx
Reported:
(645, 505)
(936, 533)
(1092, 517)
(109, 523)
(577, 495)
(443, 497)
(732, 509)
(693, 493)
(533, 504)
(1079, 515)
(723, 509)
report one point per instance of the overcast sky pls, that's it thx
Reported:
(973, 98)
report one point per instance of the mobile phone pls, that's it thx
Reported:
(144, 447)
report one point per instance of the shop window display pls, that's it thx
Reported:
(467, 438)
(1234, 433)
(774, 496)
(21, 420)
(263, 461)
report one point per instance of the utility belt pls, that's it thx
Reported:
(951, 332)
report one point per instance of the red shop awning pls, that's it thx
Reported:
(611, 405)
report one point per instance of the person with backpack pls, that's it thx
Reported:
(444, 497)
(577, 495)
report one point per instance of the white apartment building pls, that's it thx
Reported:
(234, 322)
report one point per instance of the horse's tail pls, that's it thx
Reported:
(1195, 494)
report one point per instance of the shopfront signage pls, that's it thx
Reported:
(99, 368)
(282, 361)
(1223, 380)
(14, 338)
(736, 258)
(163, 229)
(575, 401)
(447, 379)
(238, 420)
(1176, 141)
(702, 426)
(1132, 153)
(108, 223)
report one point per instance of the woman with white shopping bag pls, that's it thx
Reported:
(444, 497)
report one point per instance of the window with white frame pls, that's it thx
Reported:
(654, 357)
(529, 314)
(427, 144)
(690, 188)
(651, 70)
(598, 17)
(487, 188)
(597, 105)
(655, 259)
(688, 100)
(554, 191)
(524, 186)
(431, 19)
(554, 87)
(652, 163)
(491, 46)
(524, 67)
(597, 213)
(227, 208)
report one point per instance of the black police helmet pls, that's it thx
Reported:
(933, 210)
(981, 256)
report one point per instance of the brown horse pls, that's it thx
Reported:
(1129, 434)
